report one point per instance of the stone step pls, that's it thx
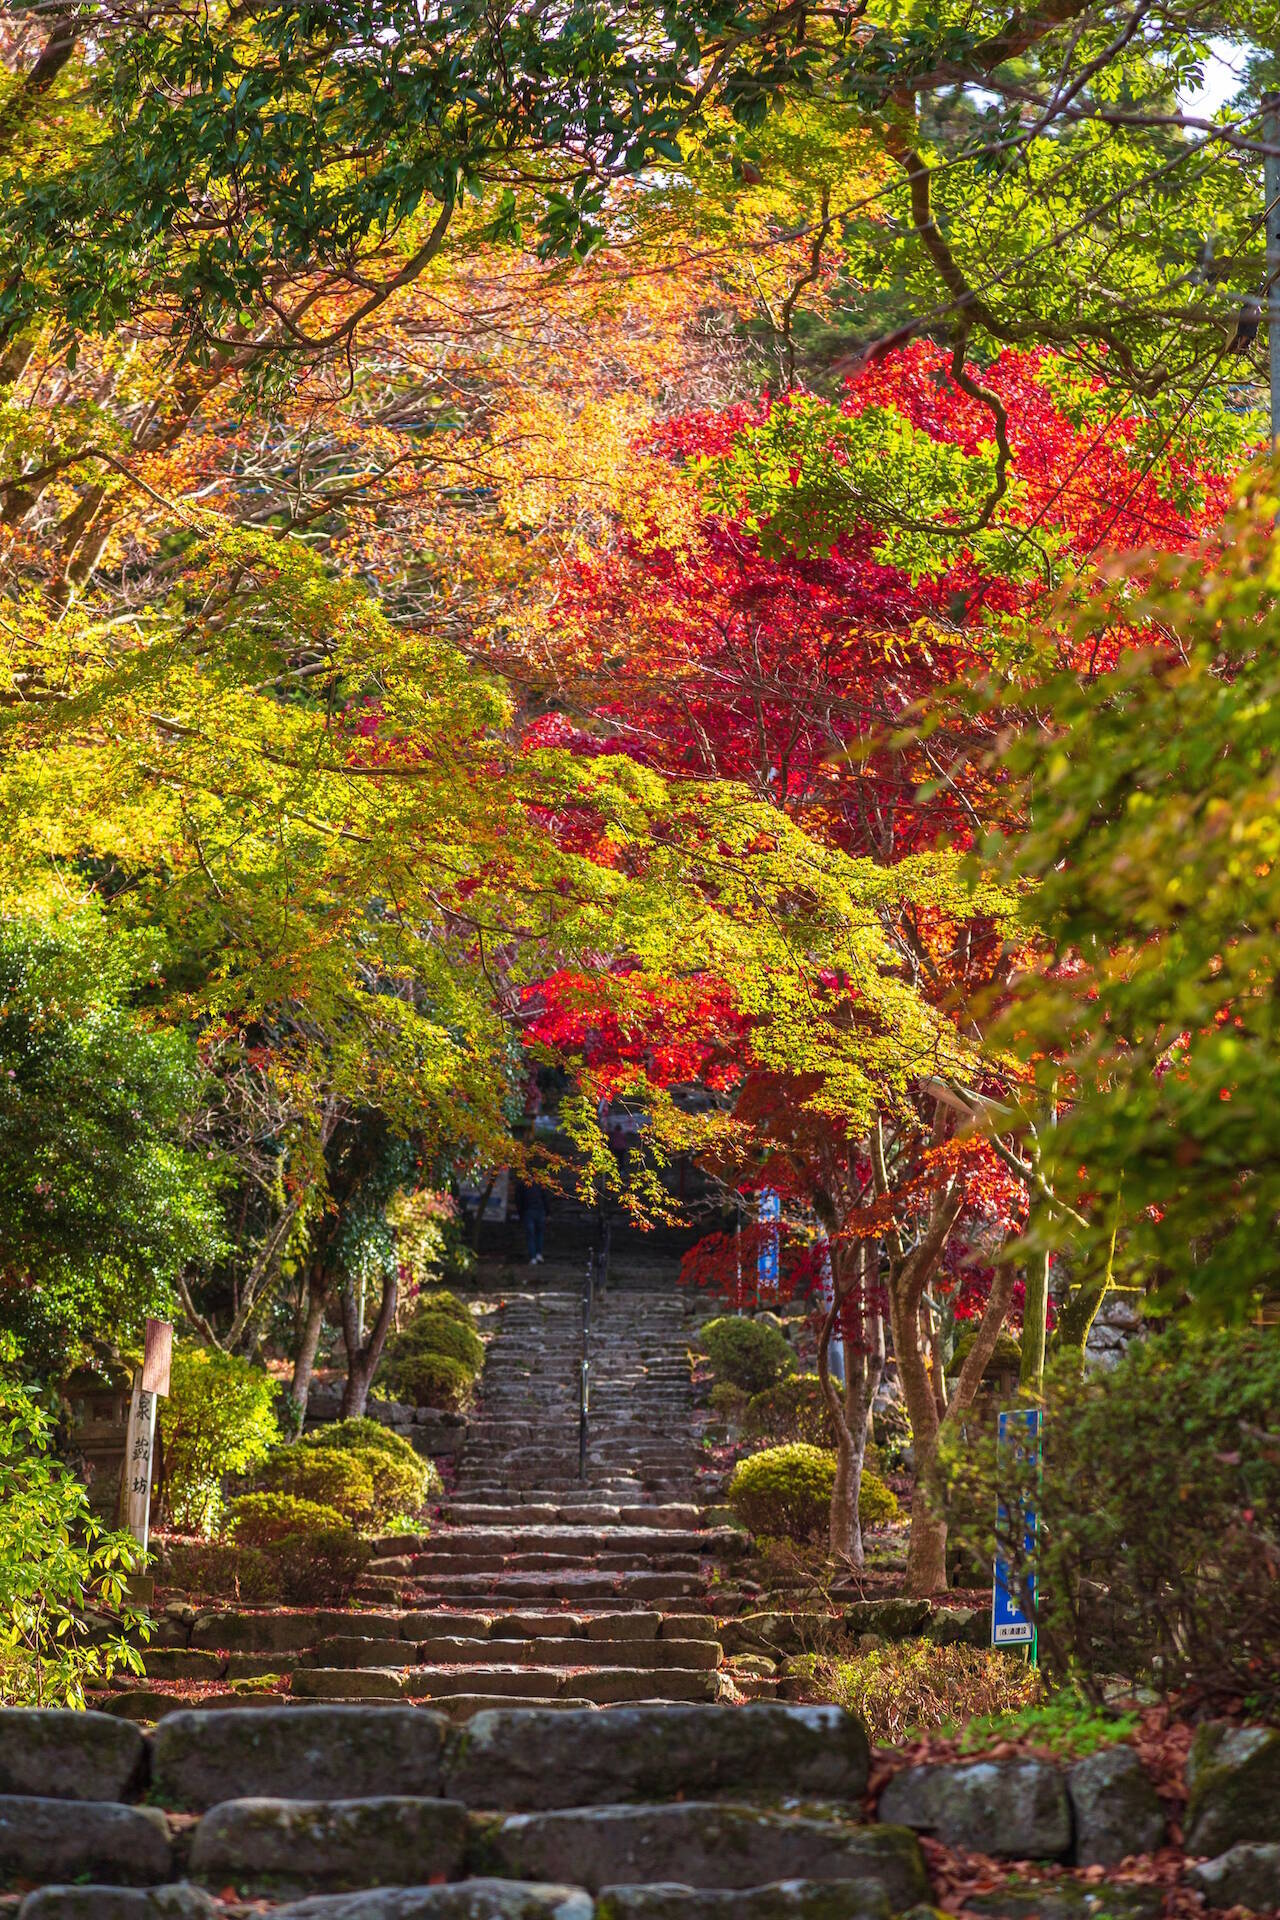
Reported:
(446, 1650)
(676, 1516)
(558, 1586)
(461, 1561)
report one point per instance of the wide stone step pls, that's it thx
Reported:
(783, 1900)
(602, 1685)
(559, 1586)
(707, 1844)
(577, 1651)
(304, 1846)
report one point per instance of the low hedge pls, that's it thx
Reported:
(752, 1354)
(334, 1477)
(440, 1300)
(431, 1380)
(260, 1519)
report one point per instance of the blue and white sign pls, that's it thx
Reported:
(1013, 1602)
(770, 1214)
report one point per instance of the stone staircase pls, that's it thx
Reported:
(539, 1585)
(533, 1585)
(347, 1813)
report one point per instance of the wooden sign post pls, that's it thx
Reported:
(150, 1382)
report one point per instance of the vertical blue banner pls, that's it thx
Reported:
(770, 1213)
(1013, 1601)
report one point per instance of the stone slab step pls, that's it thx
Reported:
(783, 1900)
(310, 1846)
(559, 1539)
(708, 1845)
(467, 1900)
(560, 1586)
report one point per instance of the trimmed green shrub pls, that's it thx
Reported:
(784, 1492)
(218, 1419)
(431, 1380)
(399, 1486)
(431, 1331)
(752, 1354)
(221, 1571)
(337, 1477)
(260, 1519)
(402, 1480)
(794, 1409)
(323, 1565)
(440, 1300)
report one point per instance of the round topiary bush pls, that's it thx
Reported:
(260, 1519)
(402, 1480)
(440, 1300)
(400, 1487)
(752, 1354)
(794, 1409)
(337, 1477)
(784, 1492)
(435, 1332)
(430, 1380)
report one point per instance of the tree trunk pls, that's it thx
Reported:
(363, 1358)
(852, 1420)
(1035, 1320)
(927, 1548)
(308, 1342)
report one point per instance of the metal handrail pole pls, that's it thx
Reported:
(584, 1385)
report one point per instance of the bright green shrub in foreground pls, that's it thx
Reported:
(219, 1419)
(751, 1354)
(56, 1565)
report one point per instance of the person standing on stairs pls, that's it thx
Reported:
(531, 1205)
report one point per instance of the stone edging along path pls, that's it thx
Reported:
(665, 1812)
